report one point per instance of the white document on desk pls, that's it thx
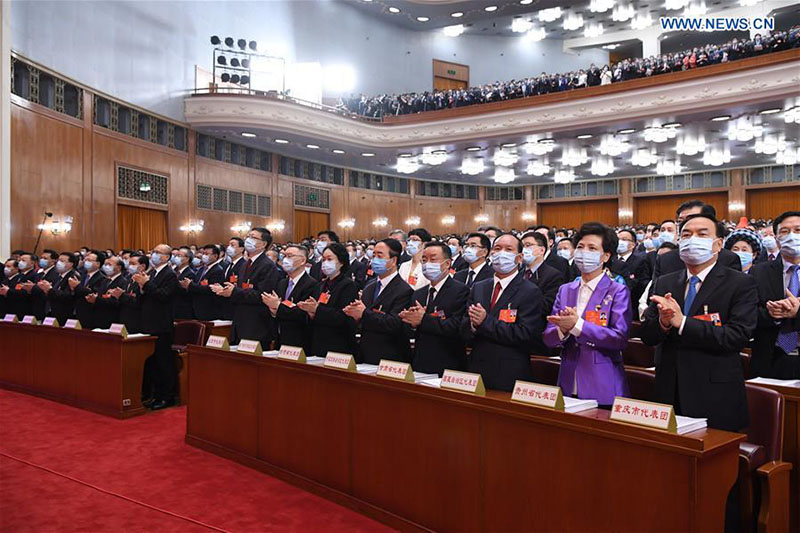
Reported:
(687, 424)
(420, 377)
(314, 360)
(270, 353)
(432, 382)
(219, 323)
(365, 368)
(794, 383)
(576, 405)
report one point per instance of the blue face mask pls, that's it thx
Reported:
(88, 265)
(504, 262)
(133, 269)
(42, 263)
(622, 247)
(696, 250)
(564, 254)
(432, 271)
(176, 260)
(155, 259)
(588, 261)
(769, 242)
(790, 245)
(470, 254)
(528, 256)
(61, 267)
(640, 237)
(746, 258)
(412, 247)
(453, 249)
(329, 268)
(656, 242)
(196, 261)
(378, 266)
(369, 253)
(666, 236)
(320, 247)
(108, 270)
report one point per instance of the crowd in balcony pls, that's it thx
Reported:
(628, 69)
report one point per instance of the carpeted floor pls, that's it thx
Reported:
(64, 469)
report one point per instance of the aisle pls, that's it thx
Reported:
(65, 469)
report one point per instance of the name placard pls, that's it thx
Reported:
(10, 317)
(537, 394)
(292, 353)
(72, 323)
(653, 415)
(119, 329)
(30, 319)
(218, 341)
(342, 361)
(251, 347)
(50, 321)
(463, 382)
(395, 370)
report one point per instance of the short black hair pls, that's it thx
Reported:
(780, 218)
(303, 249)
(610, 239)
(266, 235)
(689, 204)
(442, 246)
(540, 239)
(214, 249)
(238, 240)
(423, 234)
(485, 242)
(395, 248)
(551, 235)
(719, 227)
(71, 258)
(519, 242)
(665, 221)
(497, 230)
(53, 253)
(189, 252)
(142, 258)
(668, 245)
(456, 237)
(630, 232)
(340, 251)
(14, 262)
(330, 233)
(118, 261)
(101, 257)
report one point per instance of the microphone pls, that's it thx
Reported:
(48, 214)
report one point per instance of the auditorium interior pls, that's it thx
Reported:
(487, 265)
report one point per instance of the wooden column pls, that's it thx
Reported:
(625, 205)
(5, 129)
(530, 206)
(737, 196)
(87, 212)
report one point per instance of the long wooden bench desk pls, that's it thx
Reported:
(100, 372)
(416, 457)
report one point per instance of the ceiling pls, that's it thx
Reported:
(477, 20)
(692, 125)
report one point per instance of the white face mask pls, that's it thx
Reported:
(696, 250)
(504, 262)
(790, 245)
(250, 244)
(564, 254)
(588, 261)
(412, 247)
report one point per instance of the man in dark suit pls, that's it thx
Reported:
(157, 288)
(534, 269)
(383, 335)
(106, 307)
(400, 236)
(503, 317)
(129, 298)
(182, 263)
(551, 258)
(232, 266)
(48, 273)
(456, 249)
(699, 319)
(630, 265)
(13, 277)
(775, 342)
(293, 322)
(205, 304)
(59, 294)
(435, 314)
(324, 238)
(21, 292)
(251, 318)
(357, 270)
(87, 290)
(476, 250)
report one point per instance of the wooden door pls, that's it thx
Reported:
(309, 223)
(140, 228)
(771, 202)
(443, 84)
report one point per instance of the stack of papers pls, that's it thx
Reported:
(420, 377)
(268, 353)
(133, 335)
(365, 368)
(314, 360)
(234, 347)
(576, 405)
(776, 382)
(432, 382)
(222, 322)
(687, 424)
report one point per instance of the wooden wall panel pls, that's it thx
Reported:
(572, 214)
(770, 202)
(506, 215)
(657, 208)
(365, 206)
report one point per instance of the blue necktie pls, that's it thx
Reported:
(687, 305)
(289, 288)
(377, 290)
(788, 341)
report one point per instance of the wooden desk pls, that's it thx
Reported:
(791, 447)
(99, 372)
(415, 457)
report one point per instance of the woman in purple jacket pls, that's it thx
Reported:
(590, 322)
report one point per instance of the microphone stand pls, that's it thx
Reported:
(41, 229)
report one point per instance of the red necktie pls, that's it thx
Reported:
(495, 294)
(247, 269)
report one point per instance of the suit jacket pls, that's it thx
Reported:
(383, 335)
(87, 313)
(485, 273)
(183, 306)
(671, 262)
(61, 298)
(316, 271)
(593, 359)
(205, 304)
(156, 301)
(636, 273)
(559, 263)
(332, 330)
(501, 350)
(107, 307)
(358, 273)
(769, 360)
(294, 324)
(251, 318)
(230, 275)
(41, 306)
(701, 369)
(548, 279)
(130, 308)
(460, 263)
(11, 301)
(437, 340)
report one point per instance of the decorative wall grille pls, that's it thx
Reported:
(305, 196)
(142, 186)
(218, 199)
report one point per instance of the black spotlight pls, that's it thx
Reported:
(235, 78)
(221, 60)
(242, 43)
(225, 77)
(215, 40)
(244, 80)
(253, 45)
(234, 62)
(229, 42)
(245, 63)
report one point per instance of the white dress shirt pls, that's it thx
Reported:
(584, 294)
(385, 281)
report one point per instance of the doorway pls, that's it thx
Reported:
(309, 223)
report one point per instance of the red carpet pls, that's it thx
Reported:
(65, 469)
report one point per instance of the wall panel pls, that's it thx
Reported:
(571, 214)
(657, 208)
(771, 202)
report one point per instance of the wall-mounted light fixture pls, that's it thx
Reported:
(380, 222)
(194, 226)
(57, 227)
(347, 223)
(276, 226)
(242, 227)
(448, 220)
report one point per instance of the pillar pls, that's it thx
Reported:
(625, 202)
(737, 195)
(5, 129)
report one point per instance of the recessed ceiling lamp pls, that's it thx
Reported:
(472, 166)
(457, 14)
(673, 5)
(667, 167)
(659, 134)
(337, 151)
(584, 136)
(508, 145)
(394, 10)
(505, 158)
(549, 15)
(572, 21)
(407, 165)
(503, 175)
(434, 158)
(626, 131)
(640, 22)
(792, 115)
(525, 2)
(473, 149)
(770, 144)
(721, 118)
(790, 155)
(744, 129)
(613, 146)
(717, 155)
(490, 8)
(564, 176)
(281, 141)
(644, 158)
(770, 111)
(423, 19)
(573, 156)
(602, 166)
(521, 25)
(672, 125)
(538, 167)
(313, 146)
(593, 30)
(611, 46)
(690, 144)
(600, 6)
(623, 12)
(367, 154)
(453, 31)
(542, 147)
(535, 34)
(248, 134)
